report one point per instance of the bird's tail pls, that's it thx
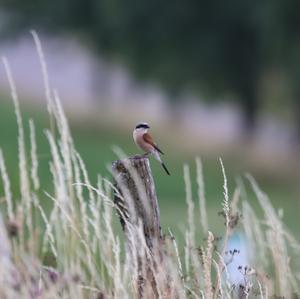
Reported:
(165, 168)
(158, 158)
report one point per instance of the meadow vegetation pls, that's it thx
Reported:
(60, 240)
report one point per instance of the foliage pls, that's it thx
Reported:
(214, 47)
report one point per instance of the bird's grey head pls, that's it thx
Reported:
(144, 126)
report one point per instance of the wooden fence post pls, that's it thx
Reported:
(137, 204)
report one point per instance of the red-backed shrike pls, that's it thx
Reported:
(144, 141)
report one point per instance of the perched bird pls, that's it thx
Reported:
(144, 141)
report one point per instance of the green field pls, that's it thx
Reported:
(72, 240)
(95, 141)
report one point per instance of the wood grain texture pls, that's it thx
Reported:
(135, 183)
(137, 203)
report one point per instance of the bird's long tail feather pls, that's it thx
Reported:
(165, 168)
(158, 158)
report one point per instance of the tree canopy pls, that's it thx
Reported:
(211, 46)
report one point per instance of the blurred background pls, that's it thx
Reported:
(213, 78)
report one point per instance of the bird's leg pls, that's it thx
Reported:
(138, 156)
(142, 156)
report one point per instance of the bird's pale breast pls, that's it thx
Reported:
(139, 140)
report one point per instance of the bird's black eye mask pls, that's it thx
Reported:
(140, 126)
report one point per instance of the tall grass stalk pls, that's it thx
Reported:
(6, 184)
(23, 170)
(201, 195)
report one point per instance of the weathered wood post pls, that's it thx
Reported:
(138, 207)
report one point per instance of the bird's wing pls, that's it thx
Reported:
(147, 138)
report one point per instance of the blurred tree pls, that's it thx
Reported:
(289, 30)
(215, 46)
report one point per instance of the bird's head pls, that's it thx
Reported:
(142, 127)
